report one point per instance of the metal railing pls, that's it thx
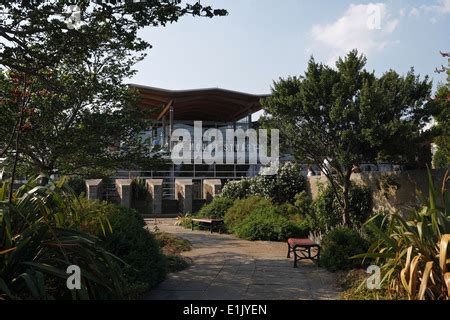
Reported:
(169, 176)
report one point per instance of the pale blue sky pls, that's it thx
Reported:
(262, 40)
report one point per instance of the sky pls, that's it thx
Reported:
(263, 40)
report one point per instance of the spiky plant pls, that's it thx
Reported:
(413, 252)
(40, 237)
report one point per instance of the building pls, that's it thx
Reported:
(179, 109)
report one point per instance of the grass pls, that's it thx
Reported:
(353, 284)
(172, 247)
(171, 244)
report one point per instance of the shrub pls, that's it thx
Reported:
(327, 214)
(262, 186)
(289, 182)
(216, 208)
(267, 224)
(413, 252)
(171, 244)
(379, 221)
(338, 246)
(140, 192)
(281, 187)
(241, 208)
(184, 221)
(236, 189)
(441, 160)
(77, 184)
(176, 263)
(133, 244)
(303, 203)
(41, 238)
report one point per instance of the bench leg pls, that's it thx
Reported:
(295, 257)
(211, 227)
(192, 225)
(318, 256)
(289, 251)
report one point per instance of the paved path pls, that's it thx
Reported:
(227, 268)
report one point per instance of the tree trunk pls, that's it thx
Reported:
(346, 188)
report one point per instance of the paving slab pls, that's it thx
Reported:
(227, 268)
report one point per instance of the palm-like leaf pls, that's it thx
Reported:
(39, 240)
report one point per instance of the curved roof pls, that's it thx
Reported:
(208, 104)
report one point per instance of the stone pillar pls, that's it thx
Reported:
(184, 194)
(94, 189)
(123, 187)
(155, 191)
(211, 188)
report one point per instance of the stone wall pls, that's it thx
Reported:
(390, 197)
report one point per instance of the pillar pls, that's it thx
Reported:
(211, 188)
(155, 191)
(123, 187)
(94, 189)
(184, 194)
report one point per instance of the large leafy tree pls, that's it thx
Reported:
(63, 100)
(442, 128)
(39, 34)
(344, 116)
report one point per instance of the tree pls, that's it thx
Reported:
(346, 116)
(442, 127)
(40, 34)
(71, 128)
(63, 100)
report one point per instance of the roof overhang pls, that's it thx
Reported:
(209, 104)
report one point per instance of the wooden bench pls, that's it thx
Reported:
(209, 222)
(302, 250)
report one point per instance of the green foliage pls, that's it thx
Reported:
(216, 208)
(348, 115)
(442, 128)
(171, 244)
(281, 187)
(41, 238)
(140, 191)
(77, 184)
(78, 108)
(176, 263)
(441, 160)
(327, 213)
(184, 221)
(379, 221)
(242, 208)
(288, 183)
(354, 285)
(136, 246)
(105, 24)
(413, 251)
(338, 246)
(239, 189)
(303, 203)
(267, 224)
